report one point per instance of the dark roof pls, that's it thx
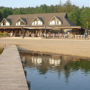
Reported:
(22, 19)
(9, 20)
(44, 17)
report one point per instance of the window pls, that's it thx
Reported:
(55, 21)
(5, 23)
(20, 22)
(37, 22)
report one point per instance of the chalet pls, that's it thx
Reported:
(38, 25)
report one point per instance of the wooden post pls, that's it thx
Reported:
(22, 32)
(45, 31)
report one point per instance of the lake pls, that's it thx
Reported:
(57, 72)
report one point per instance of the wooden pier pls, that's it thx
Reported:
(11, 71)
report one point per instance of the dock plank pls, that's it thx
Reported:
(11, 71)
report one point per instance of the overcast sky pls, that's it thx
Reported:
(34, 3)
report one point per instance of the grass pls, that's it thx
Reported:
(5, 34)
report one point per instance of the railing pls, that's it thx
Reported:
(70, 37)
(59, 36)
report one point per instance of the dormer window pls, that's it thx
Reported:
(20, 22)
(37, 22)
(5, 22)
(55, 21)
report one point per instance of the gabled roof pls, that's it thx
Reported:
(6, 19)
(56, 18)
(44, 17)
(22, 19)
(38, 18)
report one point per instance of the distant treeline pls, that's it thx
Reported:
(79, 16)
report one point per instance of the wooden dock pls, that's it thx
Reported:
(11, 71)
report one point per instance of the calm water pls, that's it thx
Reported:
(57, 72)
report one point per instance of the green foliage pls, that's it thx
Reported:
(85, 17)
(74, 16)
(82, 64)
(1, 17)
(5, 34)
(68, 6)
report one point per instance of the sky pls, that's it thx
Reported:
(34, 3)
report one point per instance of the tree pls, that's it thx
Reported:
(18, 11)
(1, 16)
(85, 18)
(68, 6)
(6, 12)
(74, 16)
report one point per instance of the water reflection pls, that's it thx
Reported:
(57, 63)
(58, 67)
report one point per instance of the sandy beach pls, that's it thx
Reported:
(58, 46)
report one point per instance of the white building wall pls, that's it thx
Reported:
(18, 23)
(37, 23)
(40, 23)
(2, 24)
(55, 22)
(52, 22)
(6, 24)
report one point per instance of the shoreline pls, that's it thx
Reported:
(49, 53)
(80, 48)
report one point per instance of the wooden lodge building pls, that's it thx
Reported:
(38, 25)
